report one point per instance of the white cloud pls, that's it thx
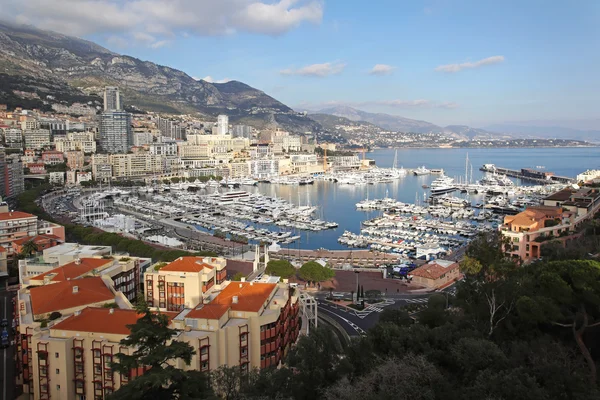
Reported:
(159, 44)
(210, 79)
(318, 70)
(163, 19)
(382, 69)
(467, 65)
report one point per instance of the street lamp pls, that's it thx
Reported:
(357, 286)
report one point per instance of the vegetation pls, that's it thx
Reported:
(238, 276)
(312, 271)
(281, 268)
(156, 352)
(528, 332)
(54, 315)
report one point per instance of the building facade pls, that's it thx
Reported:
(116, 135)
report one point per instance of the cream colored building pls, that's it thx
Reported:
(37, 138)
(138, 164)
(182, 283)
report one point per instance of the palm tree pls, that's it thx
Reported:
(29, 248)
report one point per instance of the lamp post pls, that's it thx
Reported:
(357, 286)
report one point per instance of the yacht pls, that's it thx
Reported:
(421, 171)
(443, 184)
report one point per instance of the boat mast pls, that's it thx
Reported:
(395, 160)
(467, 169)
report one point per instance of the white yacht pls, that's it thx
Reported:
(443, 184)
(421, 171)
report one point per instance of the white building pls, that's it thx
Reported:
(264, 168)
(142, 138)
(222, 125)
(56, 178)
(588, 175)
(37, 138)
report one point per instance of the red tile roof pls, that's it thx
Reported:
(36, 239)
(3, 250)
(59, 296)
(433, 270)
(250, 297)
(100, 320)
(187, 264)
(5, 216)
(73, 269)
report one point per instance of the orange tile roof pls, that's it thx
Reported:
(74, 270)
(100, 320)
(5, 216)
(59, 296)
(2, 250)
(187, 264)
(251, 297)
(433, 270)
(36, 239)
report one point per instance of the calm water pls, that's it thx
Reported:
(337, 202)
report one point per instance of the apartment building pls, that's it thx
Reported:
(558, 218)
(138, 164)
(44, 357)
(16, 225)
(37, 138)
(13, 137)
(53, 157)
(3, 261)
(76, 141)
(124, 272)
(41, 242)
(75, 159)
(436, 274)
(164, 147)
(182, 282)
(116, 135)
(101, 167)
(13, 182)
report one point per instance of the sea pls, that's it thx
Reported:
(336, 202)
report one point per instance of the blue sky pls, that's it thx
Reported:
(452, 62)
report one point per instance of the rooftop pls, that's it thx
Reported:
(63, 295)
(100, 320)
(237, 296)
(188, 264)
(6, 216)
(561, 195)
(36, 239)
(74, 269)
(434, 269)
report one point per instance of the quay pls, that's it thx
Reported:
(338, 258)
(528, 174)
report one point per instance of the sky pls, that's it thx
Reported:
(471, 62)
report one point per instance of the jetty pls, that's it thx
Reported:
(528, 174)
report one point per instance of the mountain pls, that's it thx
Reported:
(464, 132)
(385, 121)
(330, 122)
(547, 132)
(27, 53)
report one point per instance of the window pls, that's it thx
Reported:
(57, 371)
(244, 336)
(244, 351)
(204, 350)
(55, 355)
(57, 387)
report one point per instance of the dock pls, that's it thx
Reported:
(528, 174)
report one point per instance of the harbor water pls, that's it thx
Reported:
(336, 202)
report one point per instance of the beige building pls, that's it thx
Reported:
(37, 138)
(133, 165)
(436, 274)
(77, 141)
(75, 159)
(182, 283)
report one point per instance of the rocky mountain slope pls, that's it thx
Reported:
(44, 55)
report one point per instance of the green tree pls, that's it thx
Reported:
(314, 272)
(29, 248)
(158, 353)
(564, 294)
(395, 316)
(282, 268)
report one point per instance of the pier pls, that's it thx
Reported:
(528, 174)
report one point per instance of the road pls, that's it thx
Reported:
(356, 323)
(7, 364)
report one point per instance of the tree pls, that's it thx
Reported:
(157, 353)
(282, 268)
(29, 248)
(564, 294)
(314, 272)
(395, 316)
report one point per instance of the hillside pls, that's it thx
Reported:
(548, 132)
(52, 58)
(385, 121)
(329, 122)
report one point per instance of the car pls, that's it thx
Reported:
(4, 323)
(4, 342)
(4, 334)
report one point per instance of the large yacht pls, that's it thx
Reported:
(421, 171)
(443, 184)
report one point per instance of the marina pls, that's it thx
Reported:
(385, 209)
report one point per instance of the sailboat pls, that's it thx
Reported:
(396, 173)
